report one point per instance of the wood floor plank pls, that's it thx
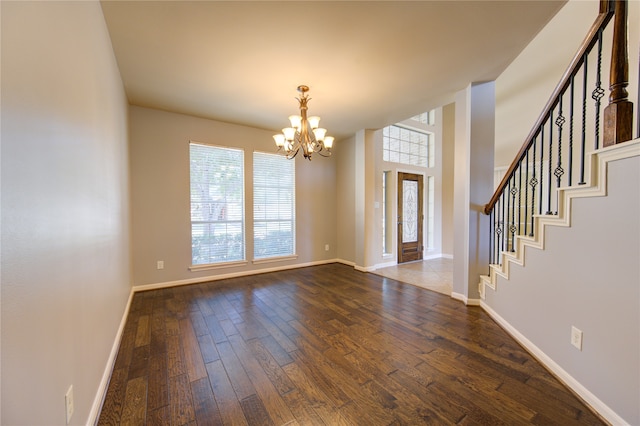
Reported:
(302, 409)
(181, 407)
(191, 349)
(143, 332)
(255, 411)
(271, 368)
(158, 394)
(139, 366)
(237, 375)
(111, 412)
(324, 345)
(175, 356)
(204, 404)
(134, 411)
(208, 349)
(159, 417)
(215, 329)
(277, 351)
(315, 396)
(228, 404)
(265, 390)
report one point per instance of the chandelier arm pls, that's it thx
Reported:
(291, 157)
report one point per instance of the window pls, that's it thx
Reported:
(424, 118)
(217, 204)
(387, 226)
(273, 205)
(406, 146)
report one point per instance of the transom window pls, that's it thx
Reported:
(407, 146)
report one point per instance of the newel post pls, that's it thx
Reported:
(618, 115)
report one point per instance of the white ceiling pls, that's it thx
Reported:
(368, 63)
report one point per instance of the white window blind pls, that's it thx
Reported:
(217, 204)
(273, 205)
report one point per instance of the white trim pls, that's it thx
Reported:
(345, 262)
(384, 265)
(364, 268)
(461, 297)
(590, 399)
(274, 259)
(154, 286)
(96, 407)
(433, 256)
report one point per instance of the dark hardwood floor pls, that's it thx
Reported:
(324, 345)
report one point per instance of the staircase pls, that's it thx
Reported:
(574, 302)
(596, 187)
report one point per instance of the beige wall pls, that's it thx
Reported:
(161, 227)
(345, 196)
(588, 277)
(65, 208)
(473, 184)
(448, 144)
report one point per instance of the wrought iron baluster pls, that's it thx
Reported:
(559, 171)
(491, 239)
(550, 161)
(541, 168)
(598, 92)
(584, 120)
(526, 192)
(512, 228)
(519, 196)
(500, 227)
(571, 135)
(508, 218)
(533, 183)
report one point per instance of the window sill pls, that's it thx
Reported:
(274, 259)
(195, 268)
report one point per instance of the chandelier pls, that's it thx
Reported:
(304, 133)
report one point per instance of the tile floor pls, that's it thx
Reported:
(432, 274)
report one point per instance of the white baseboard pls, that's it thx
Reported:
(437, 256)
(106, 375)
(590, 399)
(461, 297)
(167, 284)
(364, 268)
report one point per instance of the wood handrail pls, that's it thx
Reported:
(604, 16)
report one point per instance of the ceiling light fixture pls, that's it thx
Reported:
(304, 133)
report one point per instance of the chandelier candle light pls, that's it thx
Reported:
(304, 132)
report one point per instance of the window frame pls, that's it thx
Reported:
(292, 212)
(242, 206)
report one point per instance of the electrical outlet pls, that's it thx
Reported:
(68, 402)
(576, 337)
(326, 247)
(160, 264)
